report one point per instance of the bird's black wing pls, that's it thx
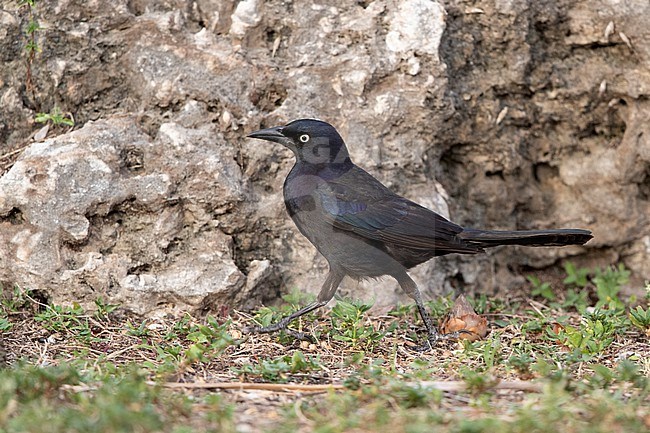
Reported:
(360, 204)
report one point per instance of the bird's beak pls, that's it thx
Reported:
(269, 134)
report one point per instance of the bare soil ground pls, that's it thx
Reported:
(339, 382)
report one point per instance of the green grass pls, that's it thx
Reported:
(56, 117)
(573, 359)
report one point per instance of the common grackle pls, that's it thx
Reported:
(365, 230)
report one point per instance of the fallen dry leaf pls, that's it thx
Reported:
(462, 318)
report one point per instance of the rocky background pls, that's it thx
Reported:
(508, 114)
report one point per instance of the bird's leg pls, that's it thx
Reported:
(411, 289)
(334, 278)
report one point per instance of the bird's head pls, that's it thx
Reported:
(312, 141)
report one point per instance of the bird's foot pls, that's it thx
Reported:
(273, 327)
(260, 329)
(279, 326)
(301, 336)
(435, 337)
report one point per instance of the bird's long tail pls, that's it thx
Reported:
(531, 238)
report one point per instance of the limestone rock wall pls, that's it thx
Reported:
(512, 114)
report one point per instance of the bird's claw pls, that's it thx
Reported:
(435, 337)
(301, 336)
(274, 327)
(254, 330)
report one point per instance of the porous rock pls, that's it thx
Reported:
(107, 211)
(507, 115)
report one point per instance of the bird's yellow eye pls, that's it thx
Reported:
(304, 138)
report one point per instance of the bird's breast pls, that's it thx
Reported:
(305, 206)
